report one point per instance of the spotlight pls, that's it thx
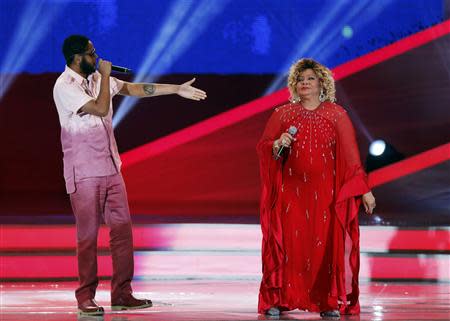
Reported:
(347, 32)
(381, 154)
(377, 147)
(377, 220)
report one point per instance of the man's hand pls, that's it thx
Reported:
(100, 106)
(104, 67)
(369, 202)
(187, 91)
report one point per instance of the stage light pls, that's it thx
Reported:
(376, 219)
(181, 28)
(377, 147)
(347, 32)
(33, 26)
(381, 154)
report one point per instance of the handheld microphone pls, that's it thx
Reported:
(121, 69)
(292, 131)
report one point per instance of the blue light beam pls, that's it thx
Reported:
(173, 48)
(34, 25)
(326, 44)
(302, 49)
(369, 9)
(177, 13)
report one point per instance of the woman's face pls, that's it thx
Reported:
(308, 84)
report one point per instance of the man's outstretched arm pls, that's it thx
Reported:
(147, 90)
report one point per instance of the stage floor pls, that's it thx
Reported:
(214, 300)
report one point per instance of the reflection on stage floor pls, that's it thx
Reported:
(214, 300)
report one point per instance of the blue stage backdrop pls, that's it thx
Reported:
(207, 36)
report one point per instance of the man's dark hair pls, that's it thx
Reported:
(74, 44)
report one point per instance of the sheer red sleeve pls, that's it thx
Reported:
(270, 171)
(351, 183)
(269, 167)
(351, 177)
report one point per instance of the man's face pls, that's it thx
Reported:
(88, 60)
(86, 67)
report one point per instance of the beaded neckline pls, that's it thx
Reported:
(310, 110)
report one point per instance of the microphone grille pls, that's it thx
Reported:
(292, 130)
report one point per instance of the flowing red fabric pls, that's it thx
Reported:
(309, 206)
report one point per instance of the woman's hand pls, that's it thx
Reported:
(285, 140)
(369, 202)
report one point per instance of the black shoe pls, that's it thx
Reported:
(330, 315)
(130, 303)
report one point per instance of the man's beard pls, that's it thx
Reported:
(86, 68)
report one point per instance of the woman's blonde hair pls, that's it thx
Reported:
(325, 78)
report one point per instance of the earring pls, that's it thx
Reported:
(322, 96)
(295, 99)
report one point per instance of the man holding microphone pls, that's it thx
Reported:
(83, 98)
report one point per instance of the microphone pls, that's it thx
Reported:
(121, 69)
(292, 130)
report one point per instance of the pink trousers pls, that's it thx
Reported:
(98, 199)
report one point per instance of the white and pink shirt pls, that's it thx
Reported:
(88, 142)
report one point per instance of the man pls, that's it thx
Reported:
(92, 167)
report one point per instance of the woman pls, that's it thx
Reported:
(310, 200)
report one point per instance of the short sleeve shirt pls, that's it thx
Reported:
(88, 142)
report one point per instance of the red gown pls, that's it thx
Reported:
(309, 206)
